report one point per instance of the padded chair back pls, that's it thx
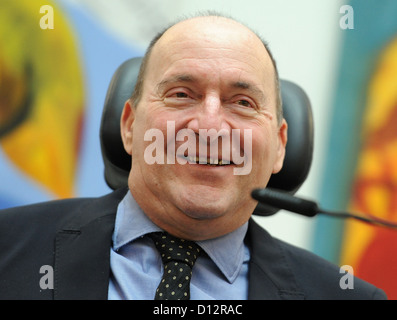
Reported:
(297, 112)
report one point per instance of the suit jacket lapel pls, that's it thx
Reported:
(82, 250)
(270, 275)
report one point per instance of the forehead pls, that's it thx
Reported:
(211, 44)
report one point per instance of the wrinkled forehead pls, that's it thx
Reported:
(212, 38)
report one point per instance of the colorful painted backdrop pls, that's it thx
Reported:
(361, 168)
(55, 67)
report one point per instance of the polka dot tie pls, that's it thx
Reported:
(178, 257)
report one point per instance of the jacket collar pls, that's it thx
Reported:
(270, 274)
(82, 250)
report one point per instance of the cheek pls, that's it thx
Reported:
(142, 130)
(153, 134)
(264, 150)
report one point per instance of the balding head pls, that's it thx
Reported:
(213, 27)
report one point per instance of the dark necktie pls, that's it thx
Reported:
(178, 258)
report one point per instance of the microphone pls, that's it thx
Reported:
(281, 200)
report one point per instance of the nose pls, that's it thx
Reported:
(210, 117)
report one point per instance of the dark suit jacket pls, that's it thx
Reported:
(74, 238)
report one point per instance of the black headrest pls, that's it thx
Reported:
(297, 112)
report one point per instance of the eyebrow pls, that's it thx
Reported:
(183, 78)
(248, 87)
(187, 78)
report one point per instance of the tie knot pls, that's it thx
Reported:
(175, 249)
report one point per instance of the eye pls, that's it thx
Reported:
(244, 103)
(181, 95)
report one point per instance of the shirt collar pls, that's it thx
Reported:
(227, 252)
(131, 222)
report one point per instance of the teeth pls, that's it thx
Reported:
(210, 161)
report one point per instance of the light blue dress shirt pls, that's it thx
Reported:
(136, 266)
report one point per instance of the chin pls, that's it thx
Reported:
(200, 213)
(204, 206)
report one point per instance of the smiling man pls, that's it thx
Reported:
(183, 229)
(205, 74)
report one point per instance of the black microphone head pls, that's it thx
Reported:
(282, 200)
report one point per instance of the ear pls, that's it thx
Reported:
(126, 125)
(282, 138)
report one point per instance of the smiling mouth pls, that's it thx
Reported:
(208, 161)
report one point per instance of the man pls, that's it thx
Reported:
(214, 80)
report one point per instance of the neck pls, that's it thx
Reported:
(179, 224)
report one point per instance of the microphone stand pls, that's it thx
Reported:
(282, 200)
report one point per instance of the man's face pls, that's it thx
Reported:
(212, 82)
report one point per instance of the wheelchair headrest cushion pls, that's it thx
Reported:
(297, 112)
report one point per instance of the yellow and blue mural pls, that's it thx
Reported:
(42, 100)
(53, 83)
